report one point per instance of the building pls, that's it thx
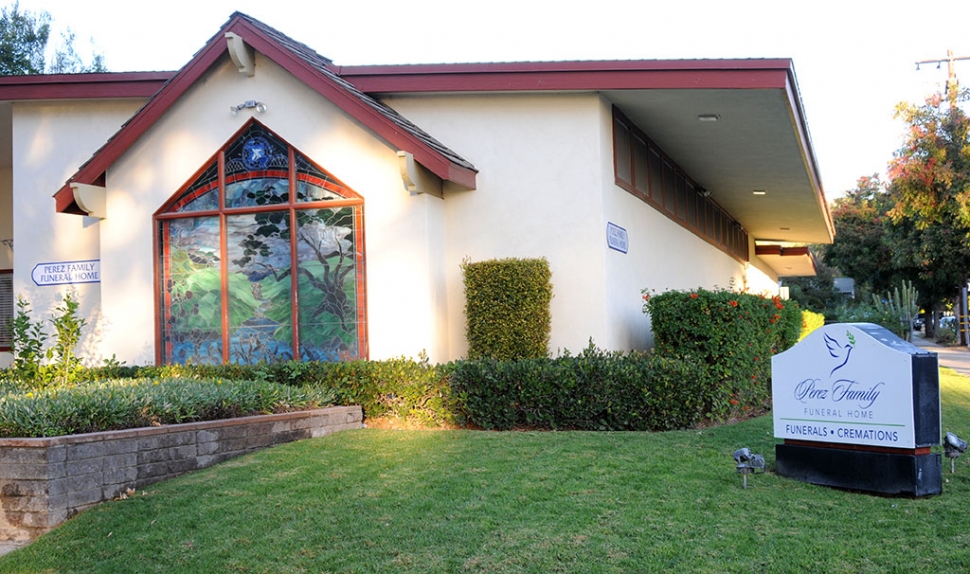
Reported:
(263, 202)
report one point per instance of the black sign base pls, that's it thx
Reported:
(879, 472)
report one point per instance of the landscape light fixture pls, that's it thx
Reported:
(953, 447)
(248, 105)
(748, 463)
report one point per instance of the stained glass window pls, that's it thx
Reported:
(260, 259)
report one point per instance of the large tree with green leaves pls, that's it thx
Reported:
(24, 37)
(865, 239)
(930, 195)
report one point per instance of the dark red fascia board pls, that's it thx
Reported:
(82, 86)
(96, 167)
(362, 112)
(782, 251)
(593, 75)
(94, 170)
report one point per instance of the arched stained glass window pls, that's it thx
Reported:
(260, 258)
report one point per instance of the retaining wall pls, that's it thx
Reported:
(45, 481)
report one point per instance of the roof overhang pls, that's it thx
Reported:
(787, 261)
(759, 142)
(242, 33)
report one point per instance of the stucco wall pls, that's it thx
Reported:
(546, 188)
(538, 195)
(50, 141)
(405, 289)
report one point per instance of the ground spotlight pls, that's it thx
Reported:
(953, 447)
(748, 463)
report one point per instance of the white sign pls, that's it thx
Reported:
(843, 385)
(66, 272)
(617, 238)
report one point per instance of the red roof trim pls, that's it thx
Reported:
(633, 74)
(781, 251)
(347, 101)
(140, 122)
(82, 86)
(203, 60)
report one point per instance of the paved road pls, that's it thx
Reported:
(956, 358)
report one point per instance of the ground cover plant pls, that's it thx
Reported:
(132, 403)
(464, 501)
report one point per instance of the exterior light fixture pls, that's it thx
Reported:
(759, 192)
(708, 117)
(248, 105)
(953, 447)
(748, 463)
(705, 192)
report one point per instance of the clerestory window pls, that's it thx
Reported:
(260, 258)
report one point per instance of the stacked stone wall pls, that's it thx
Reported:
(45, 481)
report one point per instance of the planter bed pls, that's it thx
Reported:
(45, 481)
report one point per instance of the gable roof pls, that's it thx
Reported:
(298, 59)
(760, 140)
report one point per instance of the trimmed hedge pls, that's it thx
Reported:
(507, 308)
(733, 334)
(594, 390)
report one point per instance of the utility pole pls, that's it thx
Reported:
(952, 86)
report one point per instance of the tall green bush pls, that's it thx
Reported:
(507, 308)
(733, 334)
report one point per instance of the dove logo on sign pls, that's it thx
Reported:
(839, 351)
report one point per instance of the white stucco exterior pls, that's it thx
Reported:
(545, 187)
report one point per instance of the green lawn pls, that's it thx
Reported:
(465, 501)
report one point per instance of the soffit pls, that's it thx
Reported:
(754, 145)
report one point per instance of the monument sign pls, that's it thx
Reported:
(858, 408)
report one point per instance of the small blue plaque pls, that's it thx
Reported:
(616, 238)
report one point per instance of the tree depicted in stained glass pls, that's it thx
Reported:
(262, 262)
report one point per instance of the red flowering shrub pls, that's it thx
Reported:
(727, 332)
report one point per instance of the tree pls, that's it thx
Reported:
(930, 194)
(24, 38)
(863, 247)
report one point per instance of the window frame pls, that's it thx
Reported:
(348, 198)
(671, 191)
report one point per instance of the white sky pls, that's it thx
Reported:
(854, 59)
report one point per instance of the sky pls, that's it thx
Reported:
(854, 60)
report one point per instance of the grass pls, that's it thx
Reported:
(466, 501)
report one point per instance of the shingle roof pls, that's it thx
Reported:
(325, 66)
(307, 65)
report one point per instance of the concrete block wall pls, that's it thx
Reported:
(45, 481)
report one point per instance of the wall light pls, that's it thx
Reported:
(248, 105)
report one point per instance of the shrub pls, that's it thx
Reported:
(401, 388)
(507, 308)
(59, 363)
(810, 322)
(733, 335)
(595, 390)
(113, 405)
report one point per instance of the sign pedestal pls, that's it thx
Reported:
(881, 472)
(859, 408)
